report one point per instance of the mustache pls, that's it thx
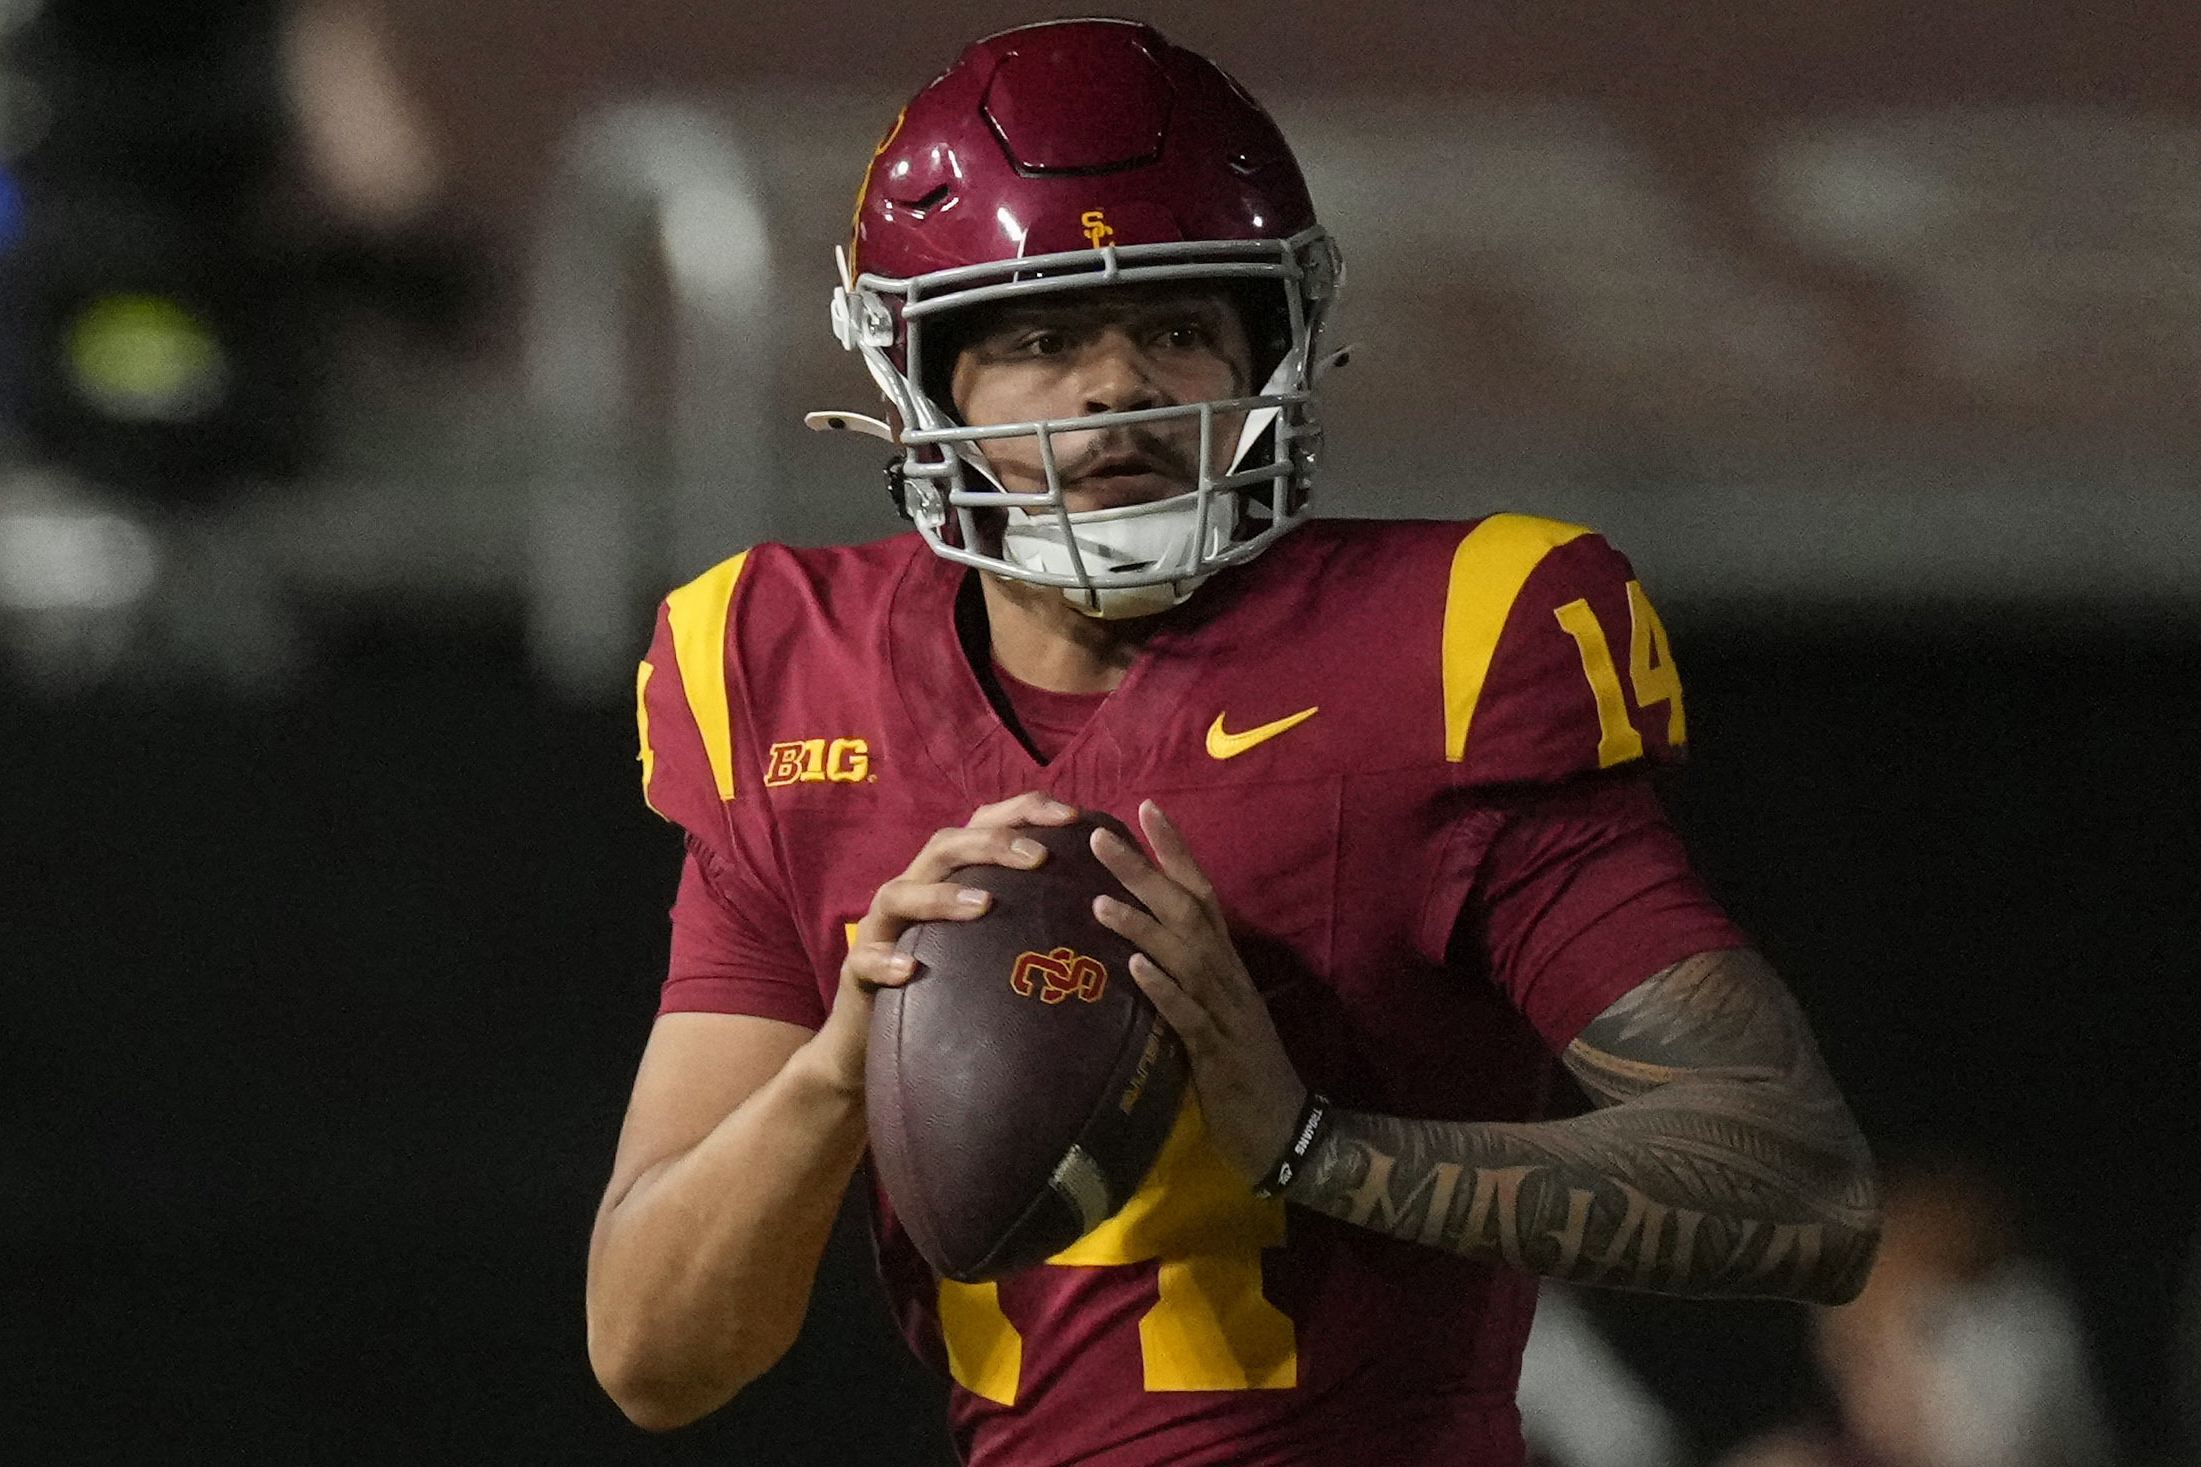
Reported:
(1166, 457)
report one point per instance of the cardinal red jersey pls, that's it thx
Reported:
(1401, 753)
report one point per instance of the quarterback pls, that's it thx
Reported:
(1400, 858)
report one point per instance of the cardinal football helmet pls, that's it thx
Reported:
(1067, 156)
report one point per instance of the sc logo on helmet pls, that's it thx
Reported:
(1096, 226)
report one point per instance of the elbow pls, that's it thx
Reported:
(660, 1394)
(653, 1399)
(649, 1410)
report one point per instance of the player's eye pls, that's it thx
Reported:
(1187, 336)
(1041, 343)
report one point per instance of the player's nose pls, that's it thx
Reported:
(1117, 378)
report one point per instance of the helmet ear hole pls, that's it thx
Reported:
(898, 488)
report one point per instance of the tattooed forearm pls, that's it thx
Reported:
(1722, 1161)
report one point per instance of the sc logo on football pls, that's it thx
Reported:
(1057, 975)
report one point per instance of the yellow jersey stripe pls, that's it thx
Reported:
(697, 613)
(648, 756)
(985, 1352)
(1491, 565)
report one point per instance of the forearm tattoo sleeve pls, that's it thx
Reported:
(1720, 1159)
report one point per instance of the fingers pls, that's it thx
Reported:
(922, 893)
(990, 839)
(1192, 1021)
(1173, 853)
(873, 961)
(909, 898)
(1187, 961)
(1196, 966)
(973, 845)
(903, 901)
(1166, 894)
(876, 965)
(1029, 808)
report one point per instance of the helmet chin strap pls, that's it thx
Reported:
(1130, 538)
(1135, 537)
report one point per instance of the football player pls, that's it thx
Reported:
(1402, 858)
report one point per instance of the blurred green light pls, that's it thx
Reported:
(145, 358)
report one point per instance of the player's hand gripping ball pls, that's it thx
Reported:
(1020, 1085)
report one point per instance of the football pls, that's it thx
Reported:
(1020, 1084)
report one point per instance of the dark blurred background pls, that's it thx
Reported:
(369, 366)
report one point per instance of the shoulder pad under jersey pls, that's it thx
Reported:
(1554, 662)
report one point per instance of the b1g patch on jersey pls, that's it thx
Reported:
(818, 761)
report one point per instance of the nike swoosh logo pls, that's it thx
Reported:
(1222, 744)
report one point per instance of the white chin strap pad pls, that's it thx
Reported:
(1135, 538)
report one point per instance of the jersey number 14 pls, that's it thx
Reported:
(1651, 673)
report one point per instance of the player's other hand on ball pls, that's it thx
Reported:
(923, 894)
(1188, 965)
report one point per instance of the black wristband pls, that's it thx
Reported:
(1314, 1119)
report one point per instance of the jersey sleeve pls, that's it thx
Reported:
(1554, 661)
(735, 945)
(1579, 894)
(726, 962)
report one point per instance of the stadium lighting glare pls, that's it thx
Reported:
(145, 358)
(81, 561)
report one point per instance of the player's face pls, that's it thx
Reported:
(1107, 352)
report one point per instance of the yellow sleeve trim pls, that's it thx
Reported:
(697, 612)
(648, 756)
(1489, 569)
